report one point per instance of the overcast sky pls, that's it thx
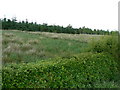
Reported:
(95, 14)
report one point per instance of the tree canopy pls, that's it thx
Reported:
(13, 24)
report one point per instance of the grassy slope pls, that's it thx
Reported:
(70, 65)
(26, 47)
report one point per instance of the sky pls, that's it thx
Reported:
(94, 14)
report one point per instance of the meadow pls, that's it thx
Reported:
(57, 60)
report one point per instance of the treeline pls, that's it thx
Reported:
(13, 24)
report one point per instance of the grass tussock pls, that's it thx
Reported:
(8, 35)
(6, 41)
(33, 41)
(26, 47)
(31, 51)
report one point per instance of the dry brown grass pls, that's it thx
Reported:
(11, 38)
(26, 47)
(7, 40)
(31, 51)
(8, 35)
(77, 37)
(12, 48)
(35, 41)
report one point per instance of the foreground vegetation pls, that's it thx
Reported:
(47, 60)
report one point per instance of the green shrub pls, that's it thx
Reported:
(107, 44)
(81, 71)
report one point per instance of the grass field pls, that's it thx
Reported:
(51, 60)
(26, 47)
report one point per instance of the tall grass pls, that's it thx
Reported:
(27, 47)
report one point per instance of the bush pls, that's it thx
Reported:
(107, 44)
(81, 71)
